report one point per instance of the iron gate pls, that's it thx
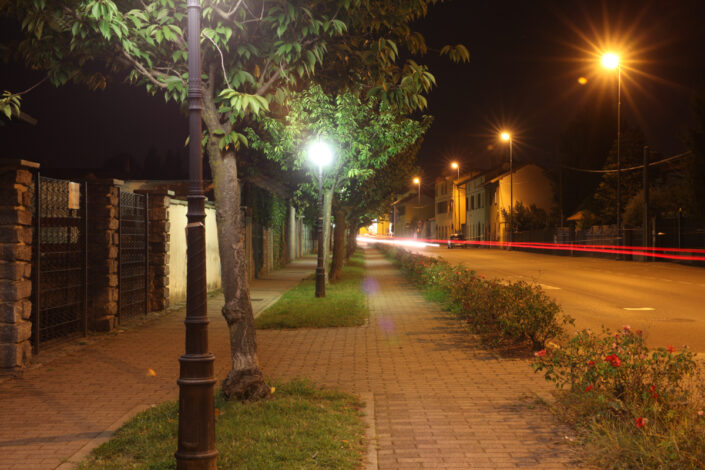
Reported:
(133, 255)
(60, 281)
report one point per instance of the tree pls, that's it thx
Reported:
(604, 201)
(365, 134)
(696, 163)
(253, 52)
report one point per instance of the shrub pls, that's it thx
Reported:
(513, 312)
(636, 407)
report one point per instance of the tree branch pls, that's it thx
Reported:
(222, 60)
(268, 84)
(141, 69)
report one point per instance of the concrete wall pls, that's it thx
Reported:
(177, 258)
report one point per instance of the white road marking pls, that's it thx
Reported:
(639, 308)
(547, 287)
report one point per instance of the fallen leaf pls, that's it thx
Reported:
(151, 373)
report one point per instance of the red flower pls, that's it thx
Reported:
(652, 389)
(627, 328)
(540, 353)
(638, 332)
(588, 388)
(614, 360)
(670, 348)
(591, 363)
(641, 422)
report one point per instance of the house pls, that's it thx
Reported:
(451, 204)
(489, 194)
(412, 215)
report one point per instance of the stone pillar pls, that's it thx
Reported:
(103, 244)
(16, 178)
(159, 240)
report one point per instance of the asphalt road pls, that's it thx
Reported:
(666, 301)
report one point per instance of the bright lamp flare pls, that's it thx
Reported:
(505, 135)
(417, 181)
(610, 60)
(582, 80)
(454, 165)
(320, 153)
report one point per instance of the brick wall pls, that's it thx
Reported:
(16, 185)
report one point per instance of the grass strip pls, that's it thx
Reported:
(345, 304)
(301, 426)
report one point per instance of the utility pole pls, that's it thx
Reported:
(645, 210)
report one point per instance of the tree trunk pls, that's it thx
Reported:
(352, 240)
(245, 380)
(338, 245)
(327, 207)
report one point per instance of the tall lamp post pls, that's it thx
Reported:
(507, 137)
(196, 439)
(320, 155)
(610, 61)
(456, 166)
(417, 182)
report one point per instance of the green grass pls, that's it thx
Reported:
(300, 426)
(345, 304)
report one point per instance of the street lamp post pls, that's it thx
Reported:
(196, 438)
(417, 182)
(456, 166)
(611, 61)
(507, 137)
(320, 154)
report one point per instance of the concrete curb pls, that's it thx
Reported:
(72, 462)
(371, 431)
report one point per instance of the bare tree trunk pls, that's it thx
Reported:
(245, 380)
(352, 240)
(338, 245)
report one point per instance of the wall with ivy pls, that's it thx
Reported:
(269, 210)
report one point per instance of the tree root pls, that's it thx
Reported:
(245, 385)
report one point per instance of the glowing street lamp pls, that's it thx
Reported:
(196, 435)
(321, 155)
(507, 137)
(611, 61)
(456, 166)
(417, 182)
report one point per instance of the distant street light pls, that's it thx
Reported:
(611, 61)
(321, 155)
(196, 436)
(456, 166)
(417, 182)
(507, 137)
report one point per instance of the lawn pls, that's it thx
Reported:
(300, 426)
(345, 304)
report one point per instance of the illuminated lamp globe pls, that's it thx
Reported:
(610, 60)
(417, 181)
(505, 136)
(320, 153)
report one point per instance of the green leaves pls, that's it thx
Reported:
(244, 103)
(10, 104)
(457, 53)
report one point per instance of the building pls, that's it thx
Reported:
(412, 216)
(489, 194)
(451, 205)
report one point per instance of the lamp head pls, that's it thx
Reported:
(505, 136)
(320, 153)
(417, 181)
(610, 60)
(454, 165)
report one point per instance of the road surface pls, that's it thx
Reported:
(665, 300)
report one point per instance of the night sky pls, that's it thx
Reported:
(526, 58)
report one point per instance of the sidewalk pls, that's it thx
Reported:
(70, 396)
(440, 401)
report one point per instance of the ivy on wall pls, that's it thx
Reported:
(269, 210)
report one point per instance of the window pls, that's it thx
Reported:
(442, 207)
(472, 202)
(479, 200)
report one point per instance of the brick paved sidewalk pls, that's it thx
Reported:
(440, 401)
(71, 395)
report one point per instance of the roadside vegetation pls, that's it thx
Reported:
(633, 408)
(345, 304)
(299, 426)
(502, 313)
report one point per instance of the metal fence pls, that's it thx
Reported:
(60, 281)
(133, 255)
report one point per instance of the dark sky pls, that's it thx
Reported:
(526, 58)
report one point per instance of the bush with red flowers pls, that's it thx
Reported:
(638, 408)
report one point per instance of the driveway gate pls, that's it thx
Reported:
(133, 256)
(60, 282)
